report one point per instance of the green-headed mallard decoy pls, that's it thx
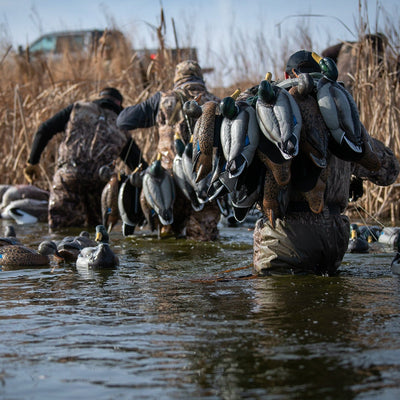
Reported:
(100, 256)
(203, 138)
(180, 177)
(159, 191)
(239, 134)
(357, 244)
(18, 255)
(279, 117)
(129, 202)
(339, 112)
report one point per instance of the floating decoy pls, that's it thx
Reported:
(10, 237)
(279, 117)
(17, 192)
(26, 211)
(357, 244)
(129, 202)
(18, 255)
(70, 246)
(395, 265)
(159, 191)
(100, 256)
(239, 134)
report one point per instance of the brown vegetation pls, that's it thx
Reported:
(35, 89)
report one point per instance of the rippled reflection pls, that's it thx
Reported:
(163, 325)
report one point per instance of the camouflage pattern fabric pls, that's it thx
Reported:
(91, 140)
(304, 242)
(189, 84)
(74, 199)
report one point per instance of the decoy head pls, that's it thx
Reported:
(48, 248)
(228, 106)
(156, 167)
(328, 66)
(192, 108)
(101, 234)
(179, 145)
(266, 91)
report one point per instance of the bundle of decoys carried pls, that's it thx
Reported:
(259, 145)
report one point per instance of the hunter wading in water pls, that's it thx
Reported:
(300, 240)
(164, 110)
(91, 140)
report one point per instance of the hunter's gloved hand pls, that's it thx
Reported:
(31, 172)
(356, 188)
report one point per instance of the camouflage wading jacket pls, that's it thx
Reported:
(91, 139)
(170, 118)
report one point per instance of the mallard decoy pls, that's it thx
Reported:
(248, 190)
(203, 140)
(339, 112)
(310, 167)
(395, 264)
(239, 136)
(18, 192)
(18, 255)
(279, 118)
(10, 237)
(192, 108)
(100, 256)
(69, 247)
(200, 187)
(159, 191)
(129, 202)
(26, 211)
(180, 177)
(109, 201)
(357, 244)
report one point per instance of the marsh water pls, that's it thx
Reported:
(179, 320)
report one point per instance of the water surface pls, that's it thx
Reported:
(169, 323)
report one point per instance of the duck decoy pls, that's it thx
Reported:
(26, 211)
(18, 255)
(10, 237)
(310, 172)
(100, 256)
(180, 177)
(17, 192)
(69, 247)
(239, 134)
(159, 191)
(357, 244)
(279, 117)
(339, 112)
(109, 201)
(203, 140)
(129, 207)
(395, 264)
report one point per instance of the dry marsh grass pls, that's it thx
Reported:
(35, 89)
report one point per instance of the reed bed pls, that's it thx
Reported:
(33, 89)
